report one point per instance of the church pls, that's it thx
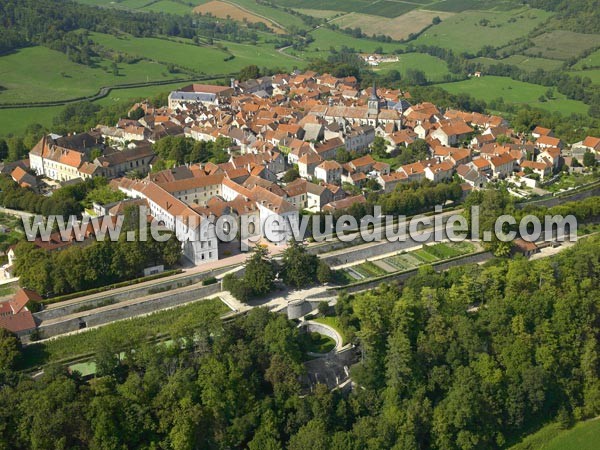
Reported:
(376, 113)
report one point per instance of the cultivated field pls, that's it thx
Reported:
(318, 13)
(276, 15)
(464, 5)
(435, 69)
(38, 74)
(226, 10)
(469, 31)
(529, 63)
(208, 60)
(489, 88)
(397, 28)
(559, 44)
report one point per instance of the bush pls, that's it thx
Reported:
(208, 281)
(323, 272)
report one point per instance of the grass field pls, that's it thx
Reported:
(397, 27)
(529, 63)
(464, 5)
(465, 32)
(592, 74)
(489, 88)
(167, 6)
(592, 61)
(130, 332)
(276, 15)
(560, 44)
(230, 11)
(40, 74)
(583, 436)
(326, 38)
(14, 121)
(184, 53)
(435, 69)
(318, 13)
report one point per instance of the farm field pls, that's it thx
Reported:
(397, 28)
(488, 88)
(560, 44)
(435, 69)
(318, 13)
(326, 38)
(465, 32)
(226, 10)
(15, 120)
(209, 60)
(583, 436)
(167, 6)
(464, 5)
(39, 74)
(529, 63)
(592, 60)
(276, 15)
(592, 74)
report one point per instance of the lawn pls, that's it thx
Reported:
(369, 270)
(127, 332)
(466, 32)
(316, 342)
(333, 322)
(41, 74)
(435, 69)
(583, 436)
(560, 44)
(489, 88)
(529, 63)
(423, 255)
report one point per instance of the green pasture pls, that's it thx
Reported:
(591, 61)
(488, 88)
(15, 120)
(37, 74)
(435, 69)
(466, 32)
(561, 44)
(528, 63)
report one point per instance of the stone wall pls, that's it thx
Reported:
(112, 313)
(121, 295)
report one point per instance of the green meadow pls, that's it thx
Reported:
(583, 436)
(489, 88)
(593, 60)
(200, 59)
(38, 74)
(528, 63)
(16, 120)
(466, 32)
(434, 68)
(592, 74)
(561, 44)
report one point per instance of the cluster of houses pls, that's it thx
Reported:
(302, 120)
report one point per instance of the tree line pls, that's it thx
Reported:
(90, 265)
(470, 358)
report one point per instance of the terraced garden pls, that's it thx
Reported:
(405, 261)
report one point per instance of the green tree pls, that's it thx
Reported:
(298, 266)
(589, 159)
(260, 273)
(323, 272)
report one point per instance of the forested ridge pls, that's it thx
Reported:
(468, 359)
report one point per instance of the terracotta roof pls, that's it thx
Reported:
(16, 323)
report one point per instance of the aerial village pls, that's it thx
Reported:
(319, 125)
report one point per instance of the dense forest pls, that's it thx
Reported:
(467, 359)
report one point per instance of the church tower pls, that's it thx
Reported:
(373, 102)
